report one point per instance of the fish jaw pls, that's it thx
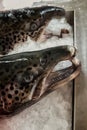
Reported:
(58, 78)
(62, 77)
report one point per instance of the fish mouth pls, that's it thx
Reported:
(63, 76)
(60, 77)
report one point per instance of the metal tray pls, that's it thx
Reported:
(77, 17)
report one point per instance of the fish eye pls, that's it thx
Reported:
(28, 78)
(33, 26)
(43, 61)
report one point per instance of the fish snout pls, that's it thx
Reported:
(59, 11)
(52, 11)
(72, 51)
(52, 56)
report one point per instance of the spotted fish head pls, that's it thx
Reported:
(17, 25)
(27, 77)
(40, 17)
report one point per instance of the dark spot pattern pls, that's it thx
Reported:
(17, 25)
(20, 85)
(21, 81)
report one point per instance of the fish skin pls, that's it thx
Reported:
(26, 77)
(17, 25)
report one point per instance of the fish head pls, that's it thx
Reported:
(16, 26)
(27, 77)
(40, 17)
